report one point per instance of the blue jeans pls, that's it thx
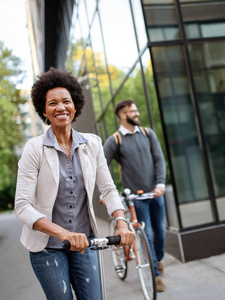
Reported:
(58, 269)
(152, 212)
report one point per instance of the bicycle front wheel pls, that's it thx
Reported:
(145, 266)
(118, 255)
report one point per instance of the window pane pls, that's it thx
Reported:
(161, 20)
(203, 18)
(184, 146)
(120, 43)
(208, 61)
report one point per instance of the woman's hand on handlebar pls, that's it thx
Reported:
(78, 241)
(126, 235)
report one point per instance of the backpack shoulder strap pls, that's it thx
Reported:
(145, 131)
(117, 138)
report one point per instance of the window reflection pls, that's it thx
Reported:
(203, 18)
(209, 68)
(179, 118)
(161, 20)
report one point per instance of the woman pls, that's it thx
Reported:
(56, 179)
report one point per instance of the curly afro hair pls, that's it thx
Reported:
(50, 80)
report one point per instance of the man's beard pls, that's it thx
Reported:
(132, 122)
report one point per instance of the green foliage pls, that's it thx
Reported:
(10, 125)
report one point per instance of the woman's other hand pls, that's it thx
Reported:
(159, 192)
(126, 235)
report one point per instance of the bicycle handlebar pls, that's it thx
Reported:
(97, 243)
(142, 196)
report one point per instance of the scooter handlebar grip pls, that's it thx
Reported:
(114, 240)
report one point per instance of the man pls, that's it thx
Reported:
(142, 168)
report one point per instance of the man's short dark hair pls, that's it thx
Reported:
(120, 105)
(52, 79)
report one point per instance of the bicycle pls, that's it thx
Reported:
(139, 250)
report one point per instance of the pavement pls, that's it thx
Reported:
(196, 280)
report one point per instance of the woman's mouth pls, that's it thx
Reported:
(61, 117)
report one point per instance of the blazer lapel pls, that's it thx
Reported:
(83, 154)
(53, 161)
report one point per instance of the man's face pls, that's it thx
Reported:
(132, 114)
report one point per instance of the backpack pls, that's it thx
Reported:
(118, 140)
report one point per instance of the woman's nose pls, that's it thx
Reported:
(60, 106)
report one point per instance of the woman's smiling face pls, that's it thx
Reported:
(59, 107)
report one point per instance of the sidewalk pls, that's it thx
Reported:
(202, 279)
(197, 280)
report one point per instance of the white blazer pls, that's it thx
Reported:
(38, 181)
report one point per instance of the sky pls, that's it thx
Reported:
(14, 34)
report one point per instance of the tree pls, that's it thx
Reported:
(10, 123)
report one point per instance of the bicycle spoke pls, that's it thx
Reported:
(145, 266)
(118, 256)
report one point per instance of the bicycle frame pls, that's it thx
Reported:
(134, 223)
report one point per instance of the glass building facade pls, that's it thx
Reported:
(169, 57)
